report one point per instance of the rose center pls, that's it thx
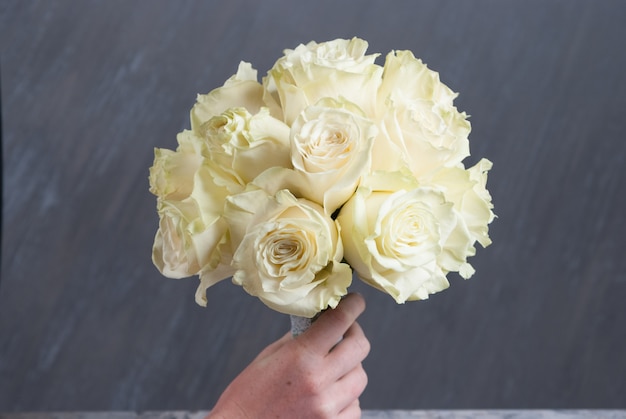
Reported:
(408, 232)
(285, 251)
(226, 132)
(327, 145)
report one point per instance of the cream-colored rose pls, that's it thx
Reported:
(407, 75)
(313, 71)
(394, 232)
(288, 252)
(420, 127)
(192, 238)
(240, 90)
(466, 189)
(331, 145)
(240, 146)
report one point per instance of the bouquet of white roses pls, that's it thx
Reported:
(331, 164)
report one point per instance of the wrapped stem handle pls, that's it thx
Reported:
(299, 325)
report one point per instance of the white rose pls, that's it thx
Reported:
(192, 233)
(407, 75)
(394, 231)
(419, 124)
(313, 71)
(331, 145)
(466, 189)
(240, 146)
(288, 252)
(240, 90)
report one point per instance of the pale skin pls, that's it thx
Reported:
(319, 374)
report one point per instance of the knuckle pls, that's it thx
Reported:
(363, 378)
(341, 318)
(303, 355)
(364, 345)
(355, 409)
(322, 407)
(312, 384)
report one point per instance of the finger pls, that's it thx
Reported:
(351, 351)
(349, 387)
(330, 327)
(275, 346)
(352, 411)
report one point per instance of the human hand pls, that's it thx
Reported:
(316, 375)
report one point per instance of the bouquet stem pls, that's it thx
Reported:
(299, 324)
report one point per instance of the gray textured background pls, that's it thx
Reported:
(90, 87)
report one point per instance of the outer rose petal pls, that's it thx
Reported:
(465, 188)
(172, 172)
(409, 76)
(209, 278)
(241, 90)
(184, 245)
(172, 252)
(333, 282)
